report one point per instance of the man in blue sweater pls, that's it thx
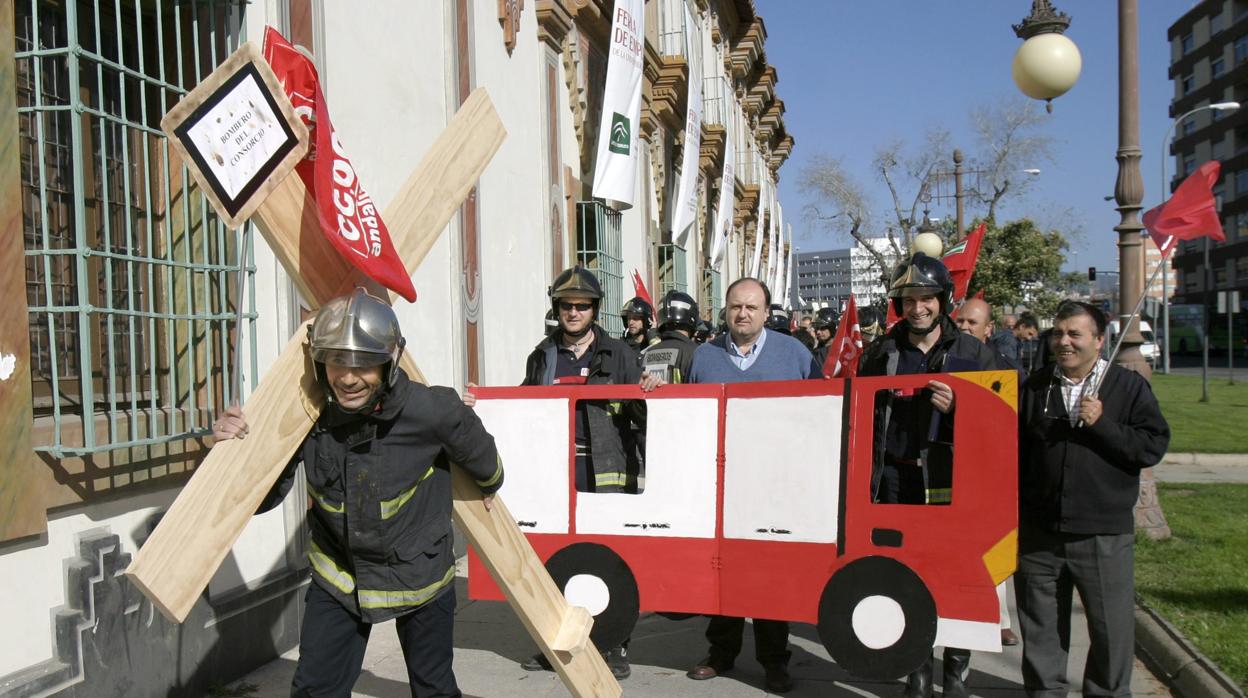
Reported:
(749, 352)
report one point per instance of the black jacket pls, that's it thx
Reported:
(381, 490)
(1086, 479)
(671, 356)
(616, 427)
(953, 352)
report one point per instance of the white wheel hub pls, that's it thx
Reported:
(588, 591)
(878, 622)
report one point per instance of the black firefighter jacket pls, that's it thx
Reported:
(616, 428)
(954, 352)
(1085, 480)
(380, 486)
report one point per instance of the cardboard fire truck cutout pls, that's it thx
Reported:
(756, 503)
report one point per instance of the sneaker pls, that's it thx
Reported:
(537, 662)
(617, 662)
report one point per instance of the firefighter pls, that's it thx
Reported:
(778, 319)
(638, 317)
(609, 434)
(377, 463)
(825, 329)
(671, 357)
(913, 461)
(704, 333)
(870, 324)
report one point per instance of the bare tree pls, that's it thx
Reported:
(1010, 140)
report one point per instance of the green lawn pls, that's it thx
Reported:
(1196, 579)
(1203, 427)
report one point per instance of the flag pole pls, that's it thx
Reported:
(1122, 331)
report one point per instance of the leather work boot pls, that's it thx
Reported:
(919, 682)
(957, 669)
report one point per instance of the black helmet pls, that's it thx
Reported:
(921, 276)
(778, 319)
(638, 306)
(577, 282)
(678, 309)
(702, 332)
(870, 322)
(827, 319)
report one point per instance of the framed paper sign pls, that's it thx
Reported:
(238, 134)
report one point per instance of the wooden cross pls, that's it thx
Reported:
(177, 561)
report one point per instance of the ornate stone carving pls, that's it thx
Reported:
(509, 12)
(711, 150)
(554, 21)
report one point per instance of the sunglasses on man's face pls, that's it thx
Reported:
(568, 307)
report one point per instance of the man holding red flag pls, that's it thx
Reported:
(349, 218)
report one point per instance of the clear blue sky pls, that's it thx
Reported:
(855, 74)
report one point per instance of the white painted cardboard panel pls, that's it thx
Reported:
(781, 469)
(679, 495)
(532, 440)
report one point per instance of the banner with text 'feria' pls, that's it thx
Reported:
(615, 169)
(348, 216)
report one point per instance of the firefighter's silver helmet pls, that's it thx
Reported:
(357, 330)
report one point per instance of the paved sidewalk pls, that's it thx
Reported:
(1203, 467)
(490, 643)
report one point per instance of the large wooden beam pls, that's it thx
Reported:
(176, 563)
(21, 507)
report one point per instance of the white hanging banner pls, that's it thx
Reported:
(788, 272)
(727, 201)
(759, 226)
(615, 169)
(778, 235)
(687, 193)
(772, 241)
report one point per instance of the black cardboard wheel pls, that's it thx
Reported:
(603, 583)
(895, 610)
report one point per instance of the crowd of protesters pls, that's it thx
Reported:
(1086, 430)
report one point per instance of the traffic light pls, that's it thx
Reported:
(1091, 273)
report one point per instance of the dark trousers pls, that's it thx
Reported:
(1050, 567)
(332, 642)
(771, 640)
(901, 484)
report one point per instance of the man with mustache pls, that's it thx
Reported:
(1086, 429)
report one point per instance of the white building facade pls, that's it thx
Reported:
(129, 287)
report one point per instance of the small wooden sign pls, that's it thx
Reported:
(238, 134)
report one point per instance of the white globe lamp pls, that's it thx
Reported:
(1048, 64)
(928, 243)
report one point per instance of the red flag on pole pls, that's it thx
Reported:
(348, 216)
(960, 261)
(846, 346)
(639, 290)
(1188, 214)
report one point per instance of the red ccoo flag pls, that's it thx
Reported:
(348, 216)
(1190, 213)
(960, 261)
(846, 346)
(639, 290)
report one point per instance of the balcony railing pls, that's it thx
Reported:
(717, 100)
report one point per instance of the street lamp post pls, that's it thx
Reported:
(1055, 69)
(1165, 191)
